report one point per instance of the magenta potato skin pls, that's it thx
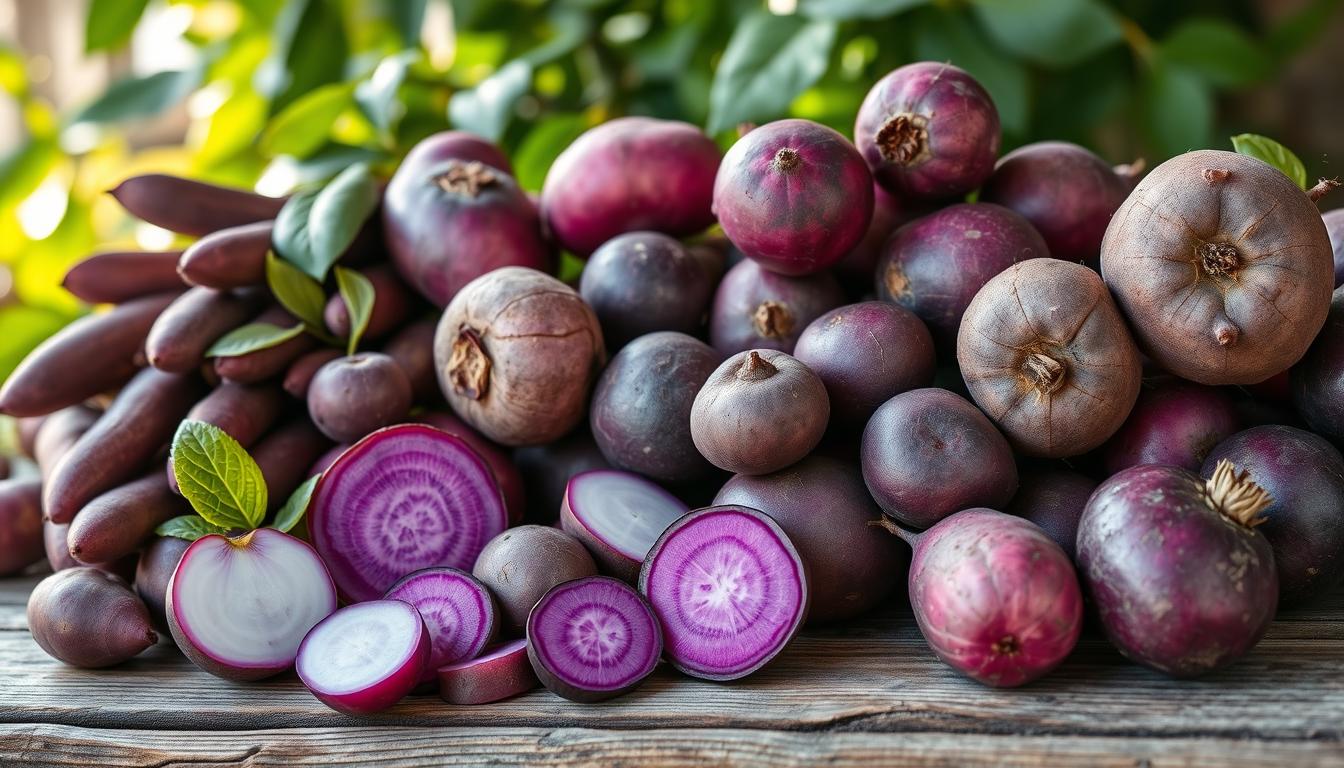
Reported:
(501, 464)
(1222, 266)
(1334, 228)
(1174, 422)
(1317, 381)
(116, 277)
(456, 145)
(153, 571)
(929, 131)
(1007, 615)
(350, 397)
(21, 542)
(642, 282)
(928, 453)
(264, 364)
(450, 222)
(521, 564)
(284, 456)
(114, 524)
(1046, 354)
(1065, 191)
(865, 354)
(755, 308)
(1178, 586)
(1054, 500)
(823, 506)
(382, 693)
(640, 414)
(184, 331)
(88, 618)
(229, 258)
(500, 673)
(794, 196)
(1304, 474)
(546, 470)
(627, 175)
(935, 265)
(191, 207)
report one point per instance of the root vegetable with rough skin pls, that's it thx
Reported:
(1047, 355)
(1054, 500)
(521, 564)
(198, 318)
(117, 277)
(794, 195)
(351, 397)
(755, 308)
(190, 207)
(1174, 422)
(856, 268)
(1223, 267)
(642, 282)
(517, 352)
(617, 516)
(1181, 579)
(457, 610)
(759, 412)
(229, 258)
(365, 657)
(456, 145)
(498, 674)
(88, 618)
(284, 456)
(58, 433)
(21, 542)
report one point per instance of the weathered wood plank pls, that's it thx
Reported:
(63, 746)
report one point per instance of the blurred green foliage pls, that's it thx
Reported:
(295, 92)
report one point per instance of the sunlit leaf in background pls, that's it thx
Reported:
(844, 10)
(138, 97)
(486, 109)
(110, 22)
(303, 127)
(309, 50)
(547, 139)
(769, 61)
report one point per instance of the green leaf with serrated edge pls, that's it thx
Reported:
(1272, 152)
(337, 214)
(220, 480)
(296, 291)
(358, 295)
(252, 337)
(189, 527)
(291, 513)
(768, 62)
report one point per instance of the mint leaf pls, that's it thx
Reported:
(252, 337)
(1272, 152)
(189, 527)
(289, 515)
(215, 474)
(357, 293)
(298, 293)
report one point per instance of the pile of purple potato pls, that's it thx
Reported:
(790, 377)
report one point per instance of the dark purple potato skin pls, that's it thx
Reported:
(522, 564)
(855, 269)
(755, 308)
(928, 453)
(1334, 228)
(1054, 499)
(1065, 191)
(865, 354)
(934, 265)
(641, 410)
(627, 175)
(21, 542)
(546, 471)
(1305, 525)
(823, 506)
(456, 145)
(1178, 586)
(794, 195)
(1174, 422)
(1317, 381)
(353, 396)
(642, 282)
(152, 574)
(928, 131)
(88, 618)
(413, 349)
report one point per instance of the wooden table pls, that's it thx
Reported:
(863, 694)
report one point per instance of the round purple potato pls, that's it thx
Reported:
(928, 131)
(353, 396)
(641, 409)
(928, 453)
(1304, 477)
(522, 564)
(794, 195)
(1317, 381)
(755, 308)
(456, 145)
(1066, 192)
(865, 354)
(642, 282)
(934, 265)
(1174, 422)
(1054, 499)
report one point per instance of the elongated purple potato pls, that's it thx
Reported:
(1334, 228)
(794, 195)
(1304, 475)
(865, 354)
(114, 524)
(642, 282)
(1005, 616)
(153, 571)
(286, 454)
(1181, 581)
(387, 636)
(617, 516)
(392, 304)
(935, 265)
(198, 318)
(521, 564)
(139, 423)
(299, 375)
(1222, 266)
(102, 348)
(547, 469)
(1174, 422)
(25, 432)
(501, 464)
(630, 174)
(928, 131)
(21, 542)
(229, 258)
(268, 363)
(88, 618)
(58, 553)
(1054, 499)
(192, 207)
(116, 277)
(1317, 381)
(500, 673)
(457, 610)
(58, 433)
(823, 506)
(1066, 192)
(755, 308)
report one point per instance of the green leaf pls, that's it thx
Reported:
(1055, 33)
(946, 35)
(358, 295)
(570, 268)
(337, 214)
(138, 97)
(547, 139)
(222, 483)
(252, 337)
(1218, 50)
(768, 62)
(1298, 30)
(377, 96)
(109, 23)
(296, 291)
(291, 513)
(302, 128)
(846, 10)
(485, 110)
(407, 17)
(309, 49)
(1272, 152)
(1177, 109)
(189, 527)
(23, 169)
